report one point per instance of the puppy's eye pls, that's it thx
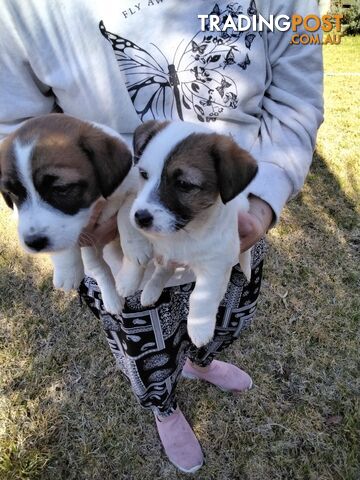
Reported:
(15, 190)
(185, 186)
(143, 174)
(64, 190)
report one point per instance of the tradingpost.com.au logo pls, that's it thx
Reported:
(312, 24)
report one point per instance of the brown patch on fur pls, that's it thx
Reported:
(143, 134)
(235, 166)
(189, 163)
(69, 151)
(110, 157)
(201, 168)
(8, 174)
(7, 160)
(58, 159)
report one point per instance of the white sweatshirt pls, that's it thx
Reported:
(120, 62)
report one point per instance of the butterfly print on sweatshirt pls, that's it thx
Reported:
(199, 77)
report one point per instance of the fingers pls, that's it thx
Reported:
(245, 224)
(96, 212)
(248, 242)
(262, 211)
(99, 235)
(93, 234)
(107, 231)
(250, 230)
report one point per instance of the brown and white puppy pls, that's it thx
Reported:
(54, 168)
(188, 207)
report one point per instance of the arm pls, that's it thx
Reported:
(292, 112)
(22, 94)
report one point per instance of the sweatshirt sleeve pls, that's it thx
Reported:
(292, 111)
(22, 95)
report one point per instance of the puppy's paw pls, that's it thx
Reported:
(200, 335)
(247, 273)
(245, 264)
(112, 302)
(129, 278)
(138, 250)
(69, 278)
(126, 287)
(150, 295)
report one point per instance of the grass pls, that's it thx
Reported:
(66, 413)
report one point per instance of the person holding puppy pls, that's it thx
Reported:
(124, 65)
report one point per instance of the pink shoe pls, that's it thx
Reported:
(223, 375)
(179, 441)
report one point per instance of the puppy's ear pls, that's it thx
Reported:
(8, 200)
(235, 167)
(5, 196)
(143, 134)
(109, 156)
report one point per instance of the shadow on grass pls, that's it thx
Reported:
(327, 190)
(299, 422)
(56, 410)
(73, 416)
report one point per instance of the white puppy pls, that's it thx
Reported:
(188, 208)
(54, 168)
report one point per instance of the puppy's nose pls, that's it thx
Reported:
(143, 218)
(36, 242)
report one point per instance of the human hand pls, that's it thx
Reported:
(95, 234)
(255, 223)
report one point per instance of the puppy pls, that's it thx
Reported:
(54, 168)
(188, 207)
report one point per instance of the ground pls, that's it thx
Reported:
(66, 413)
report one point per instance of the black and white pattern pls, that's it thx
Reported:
(150, 345)
(200, 78)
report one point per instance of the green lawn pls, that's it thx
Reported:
(65, 413)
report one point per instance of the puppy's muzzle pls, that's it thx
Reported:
(36, 242)
(143, 218)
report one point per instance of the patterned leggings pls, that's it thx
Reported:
(151, 345)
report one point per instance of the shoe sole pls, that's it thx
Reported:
(192, 470)
(190, 376)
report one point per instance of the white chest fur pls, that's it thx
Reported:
(210, 238)
(210, 247)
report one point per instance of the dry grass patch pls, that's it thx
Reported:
(67, 414)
